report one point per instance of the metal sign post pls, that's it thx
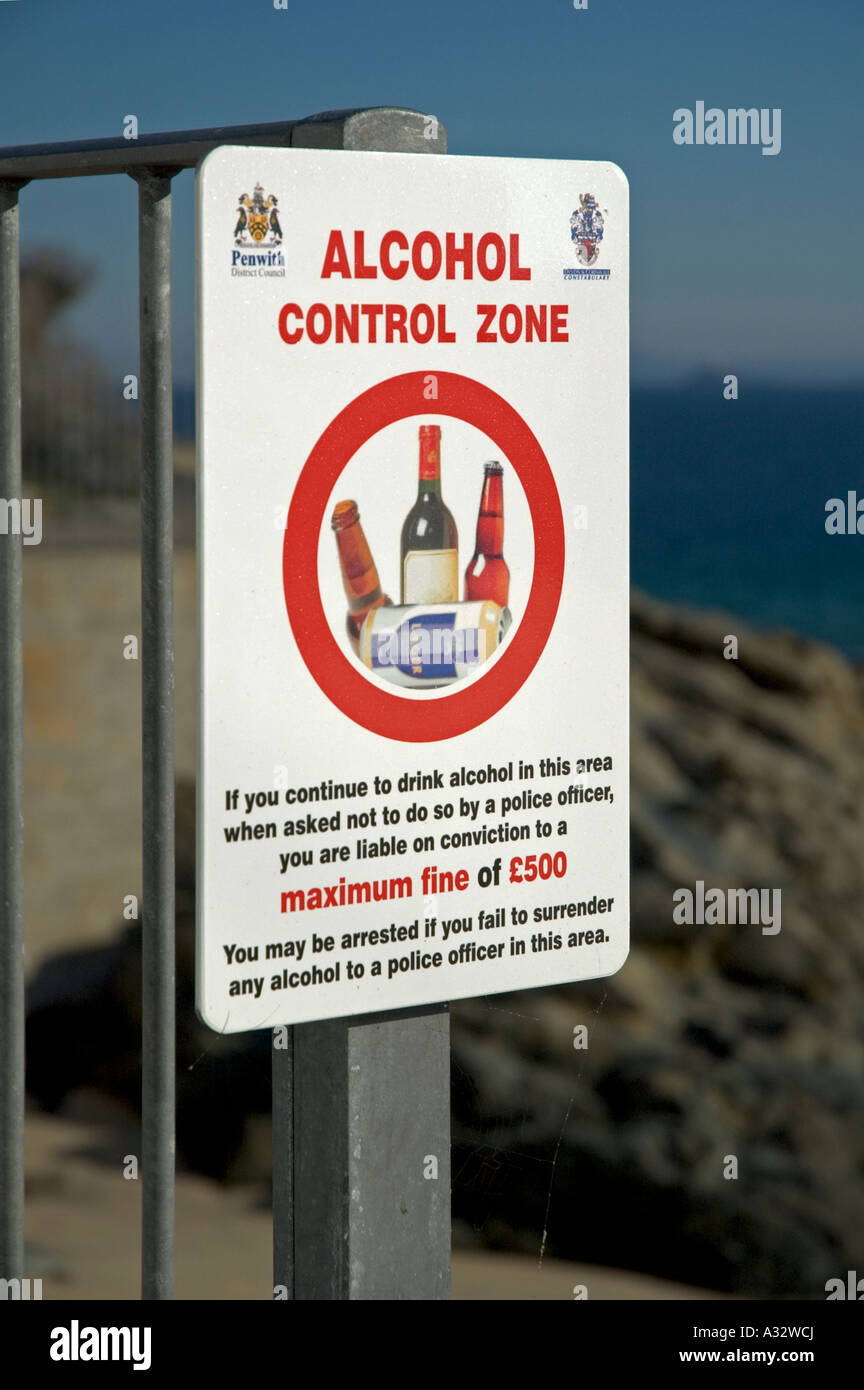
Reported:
(371, 1107)
(361, 1106)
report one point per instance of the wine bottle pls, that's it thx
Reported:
(430, 542)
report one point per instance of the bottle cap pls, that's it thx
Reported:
(430, 451)
(493, 467)
(344, 514)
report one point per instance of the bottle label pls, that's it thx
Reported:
(425, 645)
(430, 576)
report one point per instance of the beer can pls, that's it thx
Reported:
(427, 645)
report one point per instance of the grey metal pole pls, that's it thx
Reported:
(11, 759)
(157, 741)
(361, 1106)
(372, 1157)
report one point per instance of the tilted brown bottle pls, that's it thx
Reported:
(359, 575)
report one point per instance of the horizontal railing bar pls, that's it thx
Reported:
(173, 150)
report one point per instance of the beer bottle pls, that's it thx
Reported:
(359, 575)
(487, 575)
(429, 552)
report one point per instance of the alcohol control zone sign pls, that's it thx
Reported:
(429, 801)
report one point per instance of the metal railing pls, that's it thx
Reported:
(345, 1091)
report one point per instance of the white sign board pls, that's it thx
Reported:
(413, 580)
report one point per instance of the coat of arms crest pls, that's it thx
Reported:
(586, 229)
(258, 219)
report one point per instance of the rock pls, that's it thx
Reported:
(713, 1043)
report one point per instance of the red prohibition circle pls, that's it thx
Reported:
(371, 706)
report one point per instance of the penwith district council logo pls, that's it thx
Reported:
(587, 225)
(257, 235)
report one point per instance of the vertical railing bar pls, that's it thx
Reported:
(157, 741)
(282, 1062)
(11, 756)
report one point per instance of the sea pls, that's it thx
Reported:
(728, 504)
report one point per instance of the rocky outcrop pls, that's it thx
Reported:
(715, 1049)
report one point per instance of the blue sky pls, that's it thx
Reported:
(740, 262)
